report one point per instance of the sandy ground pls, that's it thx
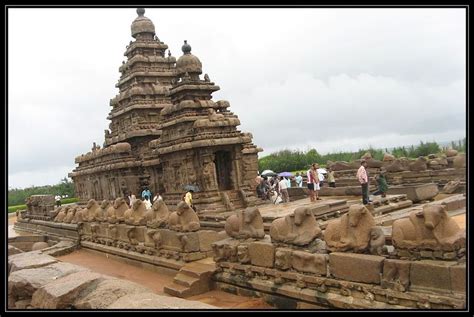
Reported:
(101, 263)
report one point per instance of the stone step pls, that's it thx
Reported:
(197, 270)
(185, 280)
(177, 290)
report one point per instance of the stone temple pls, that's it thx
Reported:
(166, 133)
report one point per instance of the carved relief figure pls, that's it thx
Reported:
(184, 219)
(71, 212)
(299, 228)
(351, 232)
(158, 216)
(209, 174)
(245, 224)
(430, 228)
(136, 214)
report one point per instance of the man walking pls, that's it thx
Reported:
(283, 188)
(363, 179)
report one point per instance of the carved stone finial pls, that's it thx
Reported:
(206, 78)
(186, 48)
(169, 53)
(140, 11)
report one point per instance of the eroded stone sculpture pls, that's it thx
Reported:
(136, 214)
(158, 216)
(431, 228)
(184, 219)
(299, 228)
(101, 213)
(61, 215)
(351, 232)
(115, 213)
(245, 224)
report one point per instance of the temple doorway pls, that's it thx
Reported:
(223, 163)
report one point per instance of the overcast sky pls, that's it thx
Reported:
(330, 79)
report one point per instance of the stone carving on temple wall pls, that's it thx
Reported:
(299, 228)
(136, 214)
(209, 174)
(351, 232)
(184, 219)
(115, 213)
(245, 224)
(430, 229)
(158, 216)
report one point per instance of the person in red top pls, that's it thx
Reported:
(363, 179)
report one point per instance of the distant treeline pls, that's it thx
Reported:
(17, 196)
(295, 160)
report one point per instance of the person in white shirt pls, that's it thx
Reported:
(282, 187)
(57, 198)
(157, 197)
(299, 180)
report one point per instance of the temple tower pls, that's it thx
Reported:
(200, 144)
(144, 85)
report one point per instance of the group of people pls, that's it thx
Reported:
(146, 198)
(268, 187)
(274, 189)
(363, 178)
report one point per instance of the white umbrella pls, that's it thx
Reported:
(268, 172)
(322, 171)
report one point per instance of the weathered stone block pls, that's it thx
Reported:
(206, 238)
(309, 263)
(283, 258)
(396, 274)
(179, 241)
(63, 292)
(458, 278)
(107, 292)
(430, 274)
(29, 260)
(23, 283)
(152, 301)
(225, 250)
(262, 253)
(356, 267)
(13, 250)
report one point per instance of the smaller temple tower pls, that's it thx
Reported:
(201, 146)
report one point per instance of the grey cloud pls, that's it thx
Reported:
(299, 78)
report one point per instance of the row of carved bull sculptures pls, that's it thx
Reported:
(159, 216)
(428, 229)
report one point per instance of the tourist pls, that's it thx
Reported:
(146, 194)
(331, 179)
(147, 203)
(283, 189)
(299, 180)
(57, 198)
(363, 179)
(382, 186)
(317, 181)
(132, 199)
(321, 177)
(310, 183)
(188, 198)
(288, 182)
